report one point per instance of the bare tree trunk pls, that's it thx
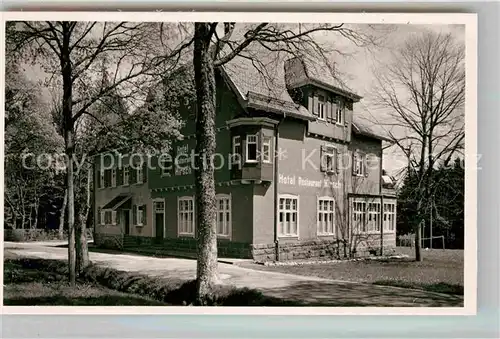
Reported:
(69, 146)
(204, 172)
(82, 253)
(63, 214)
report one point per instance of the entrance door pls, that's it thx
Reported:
(159, 225)
(126, 221)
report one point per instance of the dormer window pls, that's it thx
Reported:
(320, 107)
(251, 145)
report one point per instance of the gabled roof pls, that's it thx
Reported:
(259, 81)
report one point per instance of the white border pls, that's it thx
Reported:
(470, 261)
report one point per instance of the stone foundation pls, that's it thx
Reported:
(314, 249)
(292, 251)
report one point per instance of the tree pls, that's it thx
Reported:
(214, 46)
(423, 89)
(72, 50)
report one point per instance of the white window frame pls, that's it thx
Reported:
(359, 228)
(256, 143)
(359, 164)
(113, 177)
(103, 217)
(139, 216)
(322, 228)
(282, 209)
(188, 212)
(227, 215)
(126, 174)
(163, 169)
(330, 152)
(237, 144)
(321, 107)
(390, 217)
(113, 217)
(339, 113)
(373, 217)
(266, 155)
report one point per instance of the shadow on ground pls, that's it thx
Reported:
(352, 294)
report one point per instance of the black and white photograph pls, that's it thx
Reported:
(223, 161)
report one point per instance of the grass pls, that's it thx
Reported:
(30, 281)
(25, 285)
(440, 271)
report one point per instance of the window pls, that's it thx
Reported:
(359, 214)
(223, 215)
(107, 217)
(113, 217)
(139, 175)
(139, 215)
(339, 113)
(164, 166)
(389, 217)
(185, 220)
(236, 149)
(252, 148)
(113, 177)
(266, 150)
(126, 175)
(328, 159)
(326, 216)
(373, 224)
(288, 216)
(320, 107)
(101, 179)
(359, 168)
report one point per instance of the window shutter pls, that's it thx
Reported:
(144, 172)
(365, 167)
(328, 110)
(119, 176)
(132, 175)
(99, 219)
(144, 214)
(107, 178)
(334, 111)
(98, 178)
(134, 214)
(322, 159)
(354, 162)
(315, 104)
(337, 161)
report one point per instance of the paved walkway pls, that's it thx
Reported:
(305, 288)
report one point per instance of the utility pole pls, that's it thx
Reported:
(430, 224)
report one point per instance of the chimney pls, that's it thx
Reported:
(295, 72)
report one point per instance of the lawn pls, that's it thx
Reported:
(30, 287)
(440, 271)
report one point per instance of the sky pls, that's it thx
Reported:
(357, 68)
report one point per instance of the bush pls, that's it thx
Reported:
(169, 290)
(26, 235)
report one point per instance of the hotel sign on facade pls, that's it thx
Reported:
(295, 180)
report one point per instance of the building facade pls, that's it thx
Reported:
(296, 177)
